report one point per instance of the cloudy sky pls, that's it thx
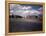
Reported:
(25, 9)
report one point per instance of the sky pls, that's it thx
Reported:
(25, 9)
